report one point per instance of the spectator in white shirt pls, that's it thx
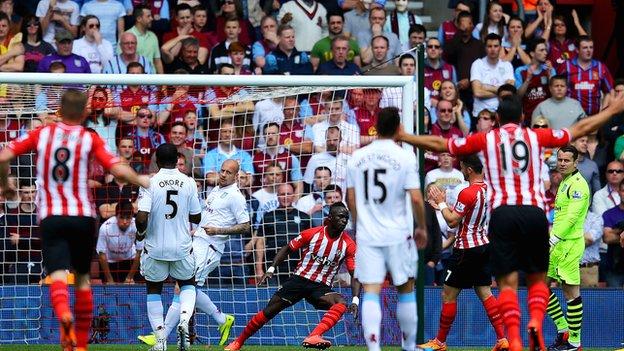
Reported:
(350, 133)
(267, 195)
(92, 46)
(56, 14)
(445, 177)
(608, 197)
(332, 158)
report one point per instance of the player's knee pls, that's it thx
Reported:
(448, 296)
(154, 288)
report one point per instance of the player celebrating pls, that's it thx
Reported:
(67, 216)
(324, 250)
(165, 210)
(379, 175)
(226, 215)
(469, 264)
(567, 244)
(513, 162)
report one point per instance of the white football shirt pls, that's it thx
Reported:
(225, 207)
(381, 173)
(170, 199)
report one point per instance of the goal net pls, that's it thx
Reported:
(292, 137)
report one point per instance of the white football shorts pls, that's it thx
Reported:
(154, 270)
(373, 262)
(207, 256)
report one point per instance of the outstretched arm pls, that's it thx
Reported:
(587, 125)
(427, 142)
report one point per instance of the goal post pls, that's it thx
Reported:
(406, 93)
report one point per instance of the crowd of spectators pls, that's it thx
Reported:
(293, 149)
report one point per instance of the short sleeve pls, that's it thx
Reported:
(102, 154)
(553, 137)
(351, 173)
(42, 8)
(239, 209)
(295, 171)
(468, 145)
(25, 143)
(246, 163)
(144, 200)
(100, 247)
(301, 240)
(74, 19)
(412, 179)
(195, 205)
(464, 202)
(475, 72)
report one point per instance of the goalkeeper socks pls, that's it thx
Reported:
(173, 315)
(575, 317)
(59, 297)
(556, 313)
(510, 311)
(83, 309)
(330, 319)
(155, 314)
(406, 314)
(491, 308)
(371, 320)
(187, 303)
(206, 305)
(252, 327)
(538, 301)
(447, 316)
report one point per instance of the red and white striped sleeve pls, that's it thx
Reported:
(468, 145)
(302, 239)
(25, 143)
(465, 201)
(350, 254)
(553, 137)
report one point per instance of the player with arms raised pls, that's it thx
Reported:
(378, 177)
(324, 250)
(518, 227)
(469, 263)
(67, 215)
(166, 209)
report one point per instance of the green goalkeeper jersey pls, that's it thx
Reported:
(571, 205)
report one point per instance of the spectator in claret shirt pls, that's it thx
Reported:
(436, 70)
(366, 116)
(64, 45)
(269, 41)
(448, 28)
(239, 57)
(532, 79)
(219, 53)
(285, 58)
(233, 9)
(173, 40)
(194, 136)
(129, 98)
(146, 139)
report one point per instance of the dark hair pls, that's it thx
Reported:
(4, 17)
(532, 45)
(416, 28)
(582, 38)
(493, 36)
(483, 33)
(473, 161)
(198, 8)
(510, 109)
(333, 187)
(135, 64)
(181, 155)
(465, 3)
(124, 207)
(337, 205)
(323, 168)
(406, 57)
(571, 149)
(166, 155)
(558, 77)
(336, 128)
(331, 14)
(26, 182)
(622, 184)
(465, 14)
(177, 124)
(270, 124)
(181, 7)
(618, 81)
(225, 65)
(388, 121)
(24, 28)
(283, 27)
(138, 11)
(507, 87)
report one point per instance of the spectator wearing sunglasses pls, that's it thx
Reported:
(32, 43)
(92, 46)
(608, 196)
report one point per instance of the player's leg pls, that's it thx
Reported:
(493, 312)
(172, 318)
(336, 306)
(184, 273)
(447, 316)
(155, 272)
(57, 262)
(505, 262)
(554, 306)
(370, 269)
(275, 306)
(574, 313)
(402, 262)
(82, 229)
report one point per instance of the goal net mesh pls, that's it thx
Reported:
(292, 144)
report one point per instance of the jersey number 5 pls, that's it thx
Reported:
(377, 183)
(173, 204)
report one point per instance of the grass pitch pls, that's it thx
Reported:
(137, 347)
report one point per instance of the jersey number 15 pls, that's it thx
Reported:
(377, 183)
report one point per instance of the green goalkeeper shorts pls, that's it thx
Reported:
(565, 258)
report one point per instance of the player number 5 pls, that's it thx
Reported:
(173, 204)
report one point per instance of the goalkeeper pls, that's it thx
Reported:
(567, 244)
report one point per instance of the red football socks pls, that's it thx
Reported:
(538, 301)
(59, 297)
(252, 327)
(492, 310)
(83, 309)
(447, 316)
(510, 311)
(330, 319)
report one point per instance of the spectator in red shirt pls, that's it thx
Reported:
(173, 40)
(561, 42)
(234, 9)
(146, 139)
(366, 116)
(442, 127)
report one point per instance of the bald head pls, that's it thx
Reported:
(232, 164)
(285, 193)
(228, 173)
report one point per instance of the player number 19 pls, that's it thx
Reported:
(519, 154)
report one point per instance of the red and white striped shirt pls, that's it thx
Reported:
(63, 156)
(322, 255)
(513, 161)
(472, 206)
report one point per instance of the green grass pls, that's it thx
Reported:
(202, 347)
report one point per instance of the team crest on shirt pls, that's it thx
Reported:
(145, 99)
(436, 85)
(595, 75)
(544, 80)
(460, 206)
(558, 134)
(446, 74)
(571, 47)
(459, 142)
(372, 131)
(501, 70)
(577, 195)
(77, 62)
